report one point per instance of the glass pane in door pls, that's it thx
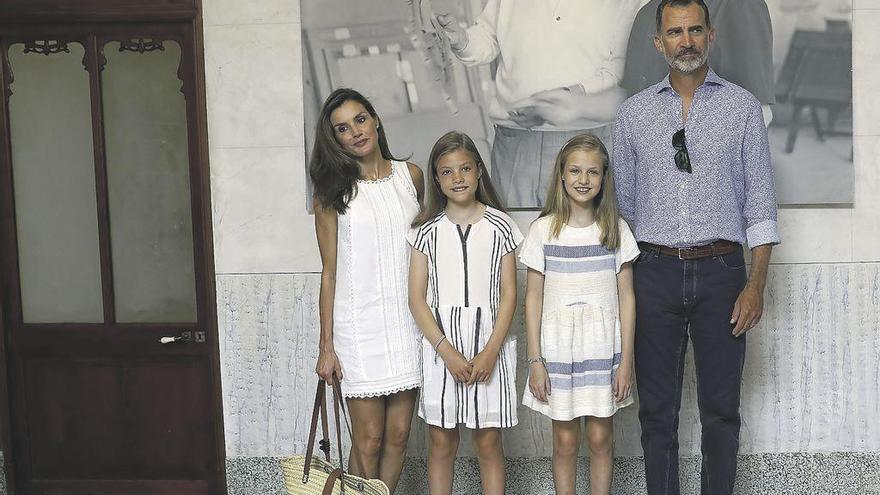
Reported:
(54, 180)
(148, 181)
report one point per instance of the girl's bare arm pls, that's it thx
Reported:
(418, 306)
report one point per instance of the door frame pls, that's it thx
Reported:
(22, 18)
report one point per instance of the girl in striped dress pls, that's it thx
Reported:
(580, 311)
(462, 293)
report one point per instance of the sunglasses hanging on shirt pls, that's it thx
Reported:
(682, 159)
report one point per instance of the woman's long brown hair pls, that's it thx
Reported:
(558, 203)
(436, 200)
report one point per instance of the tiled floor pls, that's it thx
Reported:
(758, 474)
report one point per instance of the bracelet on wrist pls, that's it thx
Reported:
(437, 346)
(537, 359)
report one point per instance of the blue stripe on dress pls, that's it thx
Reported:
(558, 251)
(584, 266)
(568, 383)
(583, 366)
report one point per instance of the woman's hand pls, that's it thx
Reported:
(539, 381)
(622, 384)
(483, 365)
(455, 363)
(328, 366)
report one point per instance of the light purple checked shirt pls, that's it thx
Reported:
(730, 193)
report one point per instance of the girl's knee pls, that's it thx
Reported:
(444, 443)
(487, 443)
(600, 440)
(566, 445)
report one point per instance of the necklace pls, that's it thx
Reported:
(379, 175)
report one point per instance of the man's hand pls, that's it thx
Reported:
(747, 310)
(457, 35)
(526, 116)
(558, 106)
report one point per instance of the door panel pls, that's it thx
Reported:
(65, 429)
(148, 182)
(52, 157)
(146, 425)
(98, 403)
(171, 434)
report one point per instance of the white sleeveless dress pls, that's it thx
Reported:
(374, 334)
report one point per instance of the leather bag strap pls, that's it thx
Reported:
(331, 480)
(325, 439)
(320, 407)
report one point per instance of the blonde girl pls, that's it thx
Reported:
(580, 311)
(462, 293)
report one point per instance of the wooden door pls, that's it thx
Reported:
(107, 276)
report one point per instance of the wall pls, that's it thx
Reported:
(812, 367)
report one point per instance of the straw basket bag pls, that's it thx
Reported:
(312, 475)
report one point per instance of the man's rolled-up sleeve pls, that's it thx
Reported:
(759, 209)
(482, 45)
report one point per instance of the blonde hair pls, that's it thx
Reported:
(558, 204)
(436, 200)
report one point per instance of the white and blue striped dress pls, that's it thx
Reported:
(580, 324)
(464, 292)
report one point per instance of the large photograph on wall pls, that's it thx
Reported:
(522, 76)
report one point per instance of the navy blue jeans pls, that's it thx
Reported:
(678, 300)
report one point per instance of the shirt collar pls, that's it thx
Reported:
(711, 79)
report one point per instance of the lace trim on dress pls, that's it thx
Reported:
(381, 179)
(365, 395)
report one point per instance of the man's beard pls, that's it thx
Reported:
(689, 65)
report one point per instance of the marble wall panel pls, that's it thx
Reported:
(226, 12)
(268, 337)
(866, 73)
(866, 220)
(253, 79)
(254, 190)
(809, 385)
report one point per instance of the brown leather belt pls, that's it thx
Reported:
(716, 248)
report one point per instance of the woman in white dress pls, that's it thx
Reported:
(365, 200)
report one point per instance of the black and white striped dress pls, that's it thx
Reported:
(464, 291)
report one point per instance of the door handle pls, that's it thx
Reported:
(185, 336)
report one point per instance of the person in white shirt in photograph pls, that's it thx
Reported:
(559, 67)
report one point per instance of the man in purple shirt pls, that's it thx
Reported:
(693, 174)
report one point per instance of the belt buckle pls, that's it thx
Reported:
(680, 250)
